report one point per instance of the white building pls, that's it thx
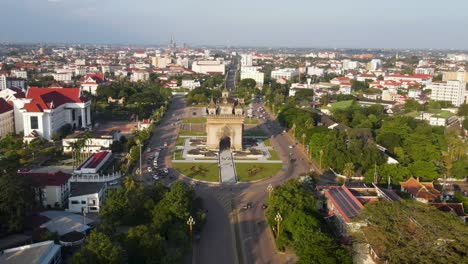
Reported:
(208, 66)
(95, 140)
(3, 83)
(162, 62)
(54, 187)
(7, 123)
(349, 64)
(46, 110)
(91, 83)
(139, 75)
(190, 84)
(424, 70)
(246, 60)
(63, 77)
(287, 73)
(19, 74)
(259, 77)
(87, 196)
(17, 98)
(374, 64)
(46, 252)
(453, 91)
(314, 71)
(140, 55)
(184, 62)
(94, 163)
(80, 62)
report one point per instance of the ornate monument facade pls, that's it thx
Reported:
(224, 123)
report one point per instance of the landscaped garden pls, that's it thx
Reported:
(253, 172)
(199, 171)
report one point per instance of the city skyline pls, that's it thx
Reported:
(261, 23)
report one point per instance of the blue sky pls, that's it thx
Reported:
(294, 23)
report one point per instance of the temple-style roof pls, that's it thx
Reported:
(421, 190)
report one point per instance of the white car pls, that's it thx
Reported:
(112, 183)
(165, 170)
(150, 169)
(155, 177)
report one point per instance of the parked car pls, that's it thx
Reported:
(112, 183)
(247, 206)
(165, 170)
(155, 177)
(150, 169)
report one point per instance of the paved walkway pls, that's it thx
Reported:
(227, 168)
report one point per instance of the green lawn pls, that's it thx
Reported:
(178, 155)
(180, 141)
(274, 155)
(194, 120)
(199, 171)
(265, 170)
(342, 104)
(192, 133)
(251, 121)
(267, 142)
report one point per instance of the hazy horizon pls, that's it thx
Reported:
(339, 24)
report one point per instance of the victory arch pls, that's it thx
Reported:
(224, 124)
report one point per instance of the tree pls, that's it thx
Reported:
(465, 124)
(17, 199)
(300, 228)
(99, 249)
(248, 83)
(463, 110)
(348, 170)
(411, 232)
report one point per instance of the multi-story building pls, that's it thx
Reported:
(259, 77)
(424, 70)
(87, 196)
(314, 71)
(7, 122)
(48, 109)
(246, 60)
(63, 77)
(287, 73)
(139, 75)
(161, 62)
(190, 84)
(460, 75)
(374, 64)
(208, 67)
(19, 74)
(54, 187)
(452, 91)
(3, 82)
(16, 83)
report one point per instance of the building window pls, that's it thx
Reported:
(74, 202)
(83, 202)
(34, 122)
(73, 114)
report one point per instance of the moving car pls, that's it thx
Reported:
(112, 183)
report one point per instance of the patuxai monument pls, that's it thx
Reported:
(224, 123)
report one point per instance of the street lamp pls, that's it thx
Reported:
(269, 190)
(278, 219)
(190, 223)
(303, 138)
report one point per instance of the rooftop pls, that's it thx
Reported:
(84, 188)
(47, 179)
(30, 254)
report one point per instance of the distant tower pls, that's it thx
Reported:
(172, 44)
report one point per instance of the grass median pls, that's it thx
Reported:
(199, 171)
(195, 120)
(253, 172)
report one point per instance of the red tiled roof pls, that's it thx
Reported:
(456, 208)
(48, 98)
(47, 179)
(98, 77)
(5, 106)
(424, 190)
(18, 92)
(95, 159)
(345, 202)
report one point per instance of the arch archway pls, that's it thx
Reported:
(224, 143)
